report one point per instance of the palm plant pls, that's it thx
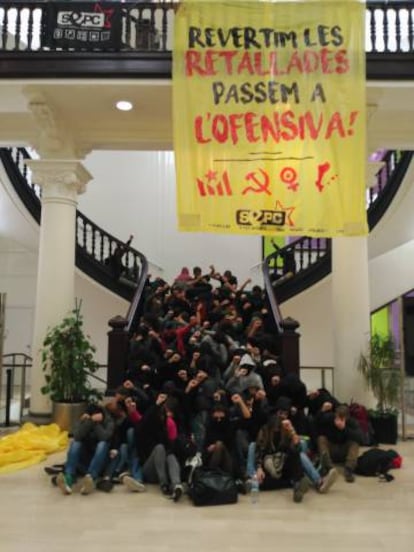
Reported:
(382, 373)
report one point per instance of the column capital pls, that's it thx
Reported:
(59, 179)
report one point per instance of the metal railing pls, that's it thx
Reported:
(149, 26)
(312, 256)
(94, 245)
(14, 389)
(323, 372)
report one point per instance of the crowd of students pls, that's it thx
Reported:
(205, 385)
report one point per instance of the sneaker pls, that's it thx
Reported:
(115, 479)
(349, 475)
(53, 470)
(299, 489)
(241, 487)
(165, 489)
(88, 485)
(248, 485)
(328, 481)
(325, 464)
(133, 484)
(64, 482)
(105, 485)
(177, 493)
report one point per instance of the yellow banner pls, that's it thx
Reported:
(269, 117)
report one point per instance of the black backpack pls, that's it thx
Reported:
(360, 414)
(376, 462)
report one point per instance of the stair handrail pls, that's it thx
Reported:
(94, 245)
(313, 255)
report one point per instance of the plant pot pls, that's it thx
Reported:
(385, 428)
(66, 415)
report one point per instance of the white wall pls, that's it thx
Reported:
(396, 227)
(98, 307)
(18, 269)
(134, 193)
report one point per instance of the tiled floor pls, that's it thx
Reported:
(367, 516)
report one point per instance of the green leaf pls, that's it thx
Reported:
(67, 355)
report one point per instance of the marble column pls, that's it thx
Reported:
(61, 181)
(351, 316)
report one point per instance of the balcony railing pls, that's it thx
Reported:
(312, 256)
(147, 37)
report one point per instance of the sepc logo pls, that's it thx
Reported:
(263, 217)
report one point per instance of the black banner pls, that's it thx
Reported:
(83, 25)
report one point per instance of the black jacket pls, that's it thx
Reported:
(325, 425)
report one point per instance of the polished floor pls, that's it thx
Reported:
(366, 516)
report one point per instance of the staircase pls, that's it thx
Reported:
(313, 255)
(94, 245)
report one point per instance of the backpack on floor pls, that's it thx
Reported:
(360, 414)
(377, 462)
(212, 487)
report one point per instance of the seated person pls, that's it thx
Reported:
(321, 400)
(248, 414)
(155, 436)
(301, 423)
(88, 452)
(244, 377)
(123, 459)
(338, 440)
(219, 440)
(277, 457)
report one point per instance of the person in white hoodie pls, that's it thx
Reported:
(244, 377)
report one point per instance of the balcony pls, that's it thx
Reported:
(145, 44)
(77, 87)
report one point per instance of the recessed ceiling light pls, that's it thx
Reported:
(124, 105)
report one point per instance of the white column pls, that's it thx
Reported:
(351, 316)
(61, 182)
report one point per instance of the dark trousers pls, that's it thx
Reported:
(291, 473)
(220, 458)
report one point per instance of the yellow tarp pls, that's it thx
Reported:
(30, 445)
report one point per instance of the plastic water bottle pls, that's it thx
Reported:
(254, 491)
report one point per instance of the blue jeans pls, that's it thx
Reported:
(251, 460)
(96, 464)
(133, 461)
(306, 462)
(309, 468)
(126, 457)
(117, 465)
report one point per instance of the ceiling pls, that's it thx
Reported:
(86, 111)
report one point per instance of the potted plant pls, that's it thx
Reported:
(67, 358)
(382, 375)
